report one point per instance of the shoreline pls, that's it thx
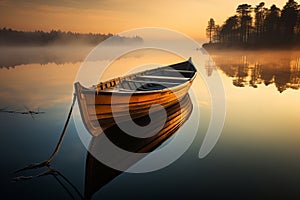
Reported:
(222, 47)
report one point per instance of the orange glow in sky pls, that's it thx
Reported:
(112, 16)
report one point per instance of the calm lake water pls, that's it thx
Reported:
(256, 157)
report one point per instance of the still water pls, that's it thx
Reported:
(256, 157)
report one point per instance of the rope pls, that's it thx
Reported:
(47, 162)
(56, 174)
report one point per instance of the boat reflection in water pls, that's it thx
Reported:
(98, 174)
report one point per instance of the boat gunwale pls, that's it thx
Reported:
(136, 92)
(94, 89)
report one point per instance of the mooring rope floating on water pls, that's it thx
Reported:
(56, 174)
(47, 162)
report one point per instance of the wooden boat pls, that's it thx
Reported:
(98, 174)
(102, 104)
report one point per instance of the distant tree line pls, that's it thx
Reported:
(40, 38)
(258, 27)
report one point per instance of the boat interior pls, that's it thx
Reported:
(151, 80)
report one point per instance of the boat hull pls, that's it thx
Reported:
(100, 111)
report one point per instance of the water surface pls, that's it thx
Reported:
(256, 157)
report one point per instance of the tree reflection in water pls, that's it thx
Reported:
(261, 67)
